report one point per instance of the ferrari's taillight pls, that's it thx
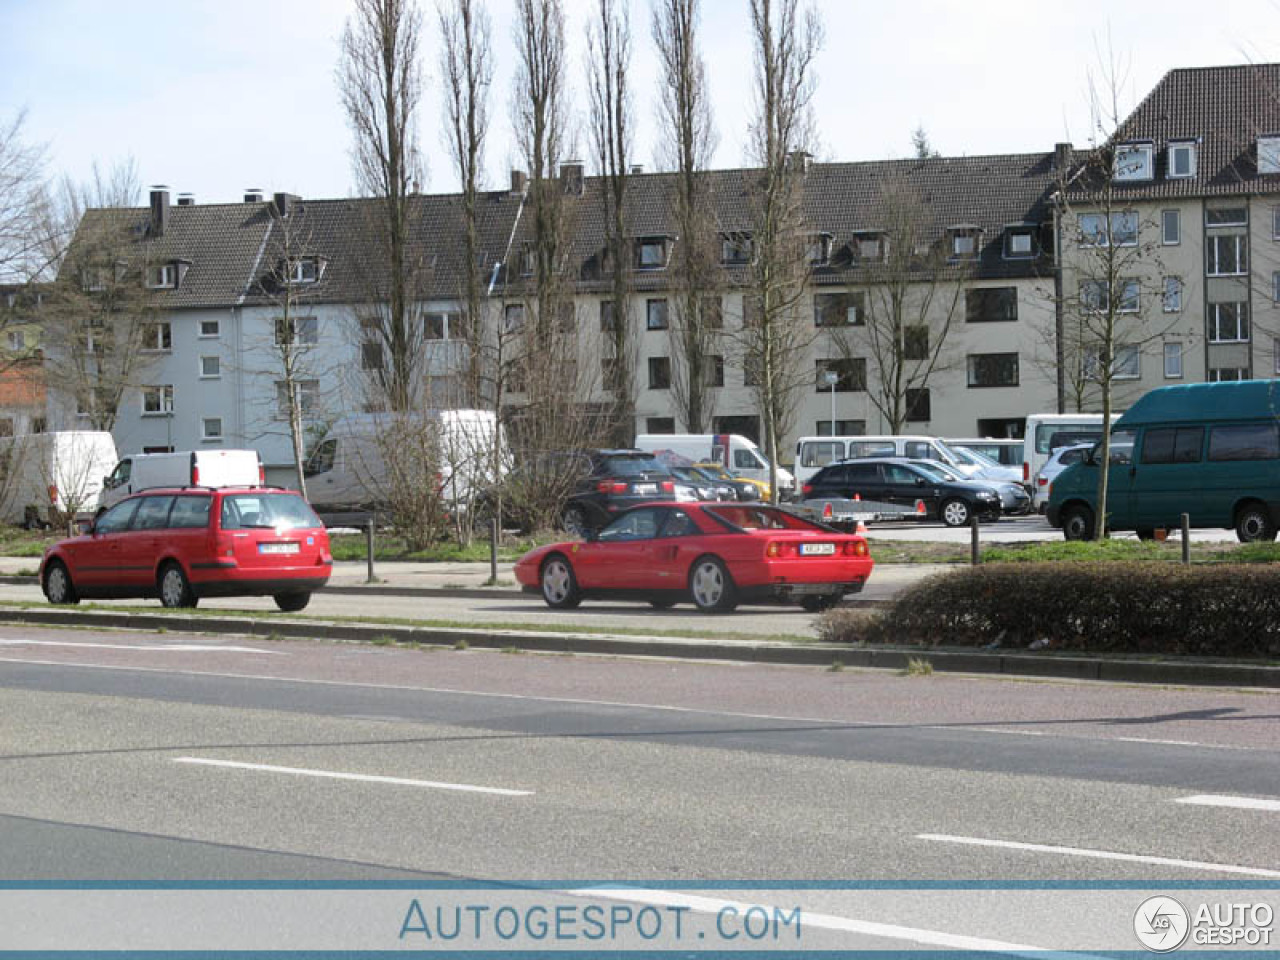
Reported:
(780, 548)
(855, 548)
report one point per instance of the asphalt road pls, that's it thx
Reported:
(171, 756)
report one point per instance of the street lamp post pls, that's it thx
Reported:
(831, 378)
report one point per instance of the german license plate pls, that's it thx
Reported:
(277, 548)
(645, 488)
(817, 549)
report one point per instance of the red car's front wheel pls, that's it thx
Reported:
(559, 585)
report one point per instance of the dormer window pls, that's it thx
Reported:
(736, 248)
(1269, 153)
(651, 253)
(305, 270)
(870, 246)
(1182, 159)
(964, 242)
(1019, 242)
(162, 276)
(819, 248)
(95, 280)
(525, 260)
(1134, 161)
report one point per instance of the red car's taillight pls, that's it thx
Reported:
(855, 548)
(780, 548)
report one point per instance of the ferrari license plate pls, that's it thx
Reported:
(277, 548)
(817, 549)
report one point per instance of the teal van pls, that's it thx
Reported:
(1209, 450)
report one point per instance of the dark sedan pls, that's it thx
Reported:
(906, 484)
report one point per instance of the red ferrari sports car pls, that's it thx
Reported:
(715, 554)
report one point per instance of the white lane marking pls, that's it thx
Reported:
(360, 777)
(620, 704)
(824, 921)
(1103, 855)
(185, 647)
(1238, 803)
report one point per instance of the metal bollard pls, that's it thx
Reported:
(974, 556)
(368, 547)
(1186, 539)
(493, 550)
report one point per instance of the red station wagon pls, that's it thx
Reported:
(185, 543)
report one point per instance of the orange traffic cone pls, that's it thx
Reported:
(826, 511)
(861, 529)
(920, 510)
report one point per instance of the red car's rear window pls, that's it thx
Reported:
(742, 518)
(262, 510)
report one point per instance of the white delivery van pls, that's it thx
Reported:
(46, 477)
(814, 453)
(348, 470)
(190, 468)
(1047, 432)
(735, 453)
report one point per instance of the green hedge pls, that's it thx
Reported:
(1131, 608)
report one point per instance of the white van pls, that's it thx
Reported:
(814, 453)
(1047, 432)
(347, 469)
(732, 451)
(190, 468)
(47, 477)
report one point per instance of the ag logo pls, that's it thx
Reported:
(1161, 923)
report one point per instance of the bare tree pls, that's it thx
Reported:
(381, 86)
(775, 337)
(21, 188)
(900, 322)
(609, 65)
(466, 64)
(688, 143)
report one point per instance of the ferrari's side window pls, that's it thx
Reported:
(679, 524)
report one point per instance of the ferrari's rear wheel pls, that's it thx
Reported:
(711, 586)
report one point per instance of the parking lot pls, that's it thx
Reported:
(1008, 530)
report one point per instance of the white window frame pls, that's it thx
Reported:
(1173, 361)
(1015, 241)
(1172, 295)
(1101, 237)
(1166, 218)
(164, 337)
(1275, 355)
(162, 276)
(1213, 268)
(651, 244)
(1124, 167)
(1275, 286)
(1216, 374)
(1269, 154)
(1175, 148)
(1128, 355)
(211, 437)
(217, 363)
(308, 398)
(162, 394)
(17, 340)
(305, 331)
(964, 245)
(1214, 332)
(304, 270)
(1275, 223)
(204, 329)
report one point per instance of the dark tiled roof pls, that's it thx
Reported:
(1225, 109)
(233, 247)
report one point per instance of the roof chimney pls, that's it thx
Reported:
(253, 195)
(159, 210)
(800, 161)
(284, 204)
(1062, 153)
(519, 183)
(571, 174)
(637, 169)
(186, 199)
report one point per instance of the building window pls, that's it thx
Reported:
(659, 373)
(838, 309)
(610, 374)
(210, 367)
(1018, 243)
(1275, 223)
(844, 428)
(304, 270)
(818, 249)
(660, 425)
(991, 305)
(6, 426)
(1133, 161)
(656, 314)
(1173, 361)
(1172, 294)
(17, 341)
(1223, 374)
(211, 428)
(210, 328)
(162, 276)
(371, 355)
(1122, 232)
(1226, 256)
(305, 330)
(1269, 154)
(1275, 356)
(1170, 227)
(1182, 159)
(735, 248)
(964, 243)
(157, 336)
(1275, 286)
(308, 393)
(1128, 363)
(607, 315)
(442, 326)
(651, 253)
(993, 369)
(851, 374)
(1228, 323)
(513, 317)
(871, 247)
(1095, 296)
(918, 405)
(157, 400)
(713, 373)
(915, 343)
(1226, 217)
(712, 313)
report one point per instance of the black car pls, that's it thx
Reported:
(906, 484)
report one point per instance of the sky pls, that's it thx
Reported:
(213, 97)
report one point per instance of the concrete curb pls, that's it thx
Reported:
(811, 654)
